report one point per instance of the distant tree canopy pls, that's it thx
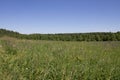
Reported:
(96, 36)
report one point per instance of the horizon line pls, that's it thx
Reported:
(61, 32)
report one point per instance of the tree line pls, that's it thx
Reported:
(96, 36)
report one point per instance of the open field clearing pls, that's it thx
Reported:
(59, 60)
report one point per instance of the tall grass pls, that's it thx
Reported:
(57, 60)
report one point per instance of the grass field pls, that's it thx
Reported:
(57, 60)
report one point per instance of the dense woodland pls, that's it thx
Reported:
(96, 36)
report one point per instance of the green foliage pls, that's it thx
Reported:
(8, 47)
(98, 36)
(60, 60)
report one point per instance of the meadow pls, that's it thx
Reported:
(59, 60)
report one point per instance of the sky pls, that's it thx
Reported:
(60, 16)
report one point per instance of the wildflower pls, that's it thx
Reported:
(26, 68)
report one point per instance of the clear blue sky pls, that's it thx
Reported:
(60, 16)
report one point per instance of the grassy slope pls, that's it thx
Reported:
(57, 60)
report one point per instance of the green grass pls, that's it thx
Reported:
(57, 60)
